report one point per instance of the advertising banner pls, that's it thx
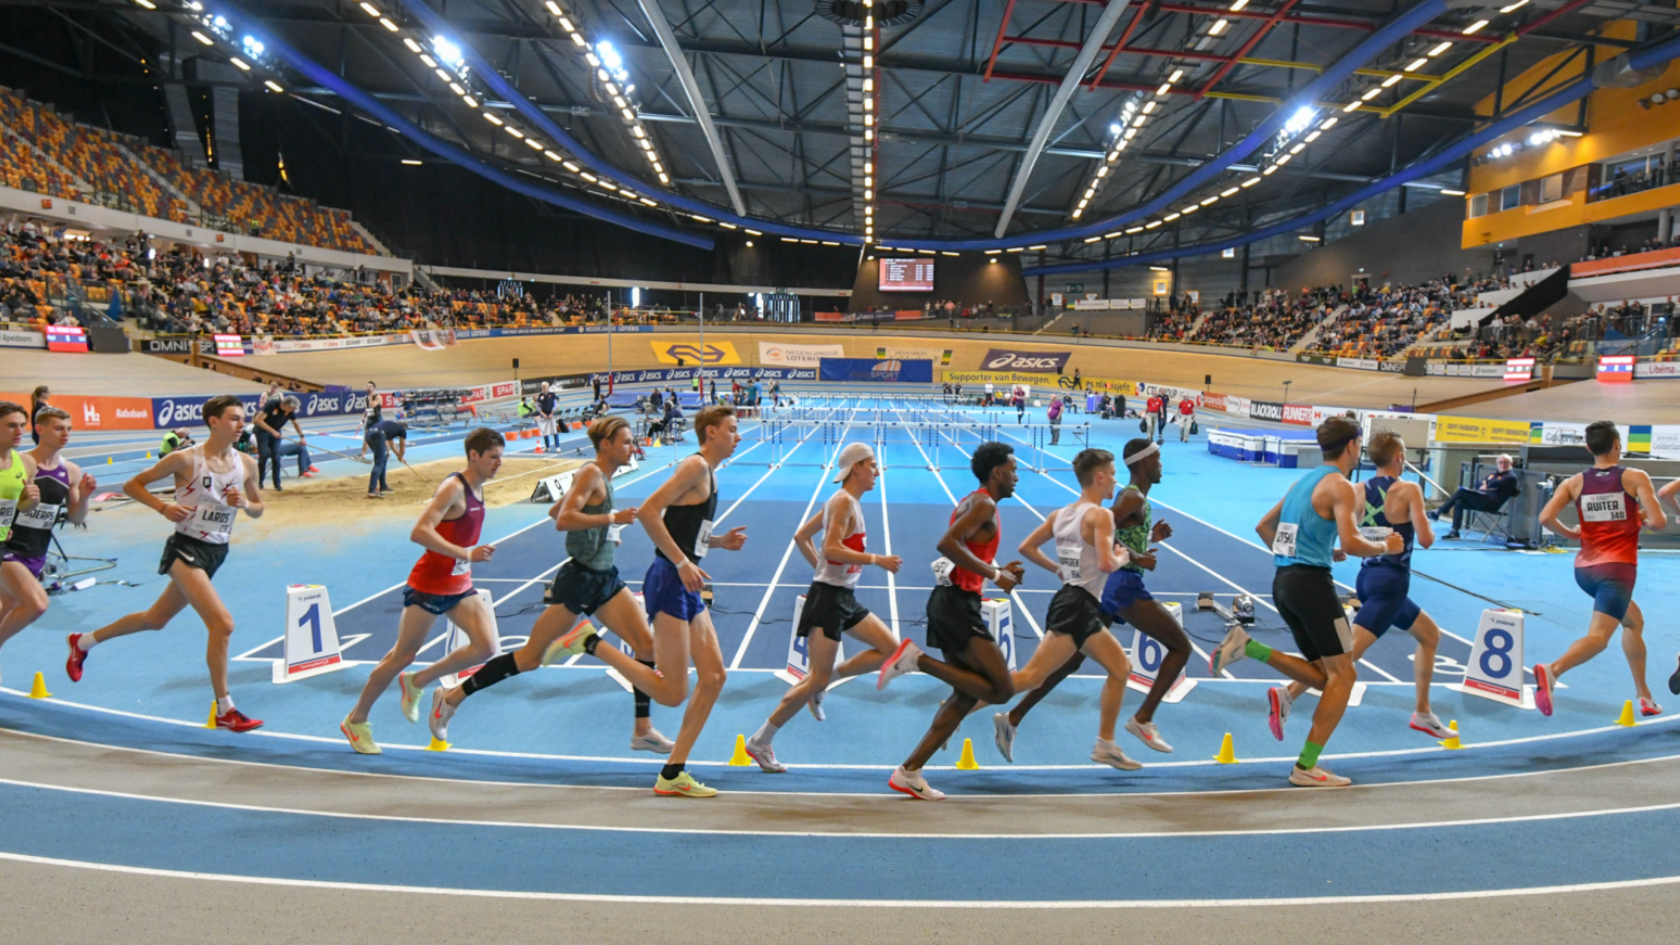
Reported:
(169, 412)
(22, 339)
(229, 346)
(533, 385)
(1646, 369)
(1461, 369)
(66, 338)
(1475, 430)
(1213, 401)
(97, 413)
(900, 353)
(668, 375)
(868, 369)
(1265, 410)
(432, 339)
(780, 355)
(1040, 362)
(1300, 415)
(290, 345)
(1615, 369)
(1519, 369)
(1002, 377)
(685, 353)
(262, 345)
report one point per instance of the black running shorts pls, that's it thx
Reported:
(1306, 598)
(203, 555)
(954, 618)
(1075, 612)
(583, 590)
(834, 610)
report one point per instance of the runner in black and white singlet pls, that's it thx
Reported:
(59, 485)
(1086, 554)
(587, 585)
(831, 607)
(213, 482)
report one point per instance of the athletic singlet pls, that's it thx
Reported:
(212, 518)
(1609, 519)
(596, 547)
(1304, 536)
(441, 574)
(836, 573)
(1375, 526)
(32, 531)
(1136, 537)
(11, 491)
(691, 525)
(985, 551)
(1077, 557)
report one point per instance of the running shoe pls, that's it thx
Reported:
(308, 475)
(815, 705)
(1453, 534)
(1543, 688)
(653, 741)
(1674, 682)
(568, 645)
(902, 661)
(1232, 649)
(1147, 733)
(1005, 737)
(1648, 708)
(1108, 753)
(1430, 724)
(314, 469)
(1316, 777)
(361, 737)
(765, 756)
(913, 784)
(1434, 515)
(78, 656)
(236, 721)
(442, 712)
(410, 697)
(683, 785)
(1277, 714)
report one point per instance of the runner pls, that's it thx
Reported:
(17, 487)
(678, 517)
(974, 667)
(830, 606)
(58, 484)
(545, 418)
(440, 584)
(1390, 504)
(1611, 503)
(586, 585)
(212, 483)
(1125, 600)
(1301, 530)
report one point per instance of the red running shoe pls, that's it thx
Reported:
(314, 469)
(78, 656)
(236, 721)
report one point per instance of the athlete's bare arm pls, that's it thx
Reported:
(1266, 528)
(587, 487)
(179, 465)
(1670, 493)
(451, 497)
(1030, 545)
(1411, 498)
(1098, 528)
(1566, 493)
(1654, 518)
(688, 485)
(251, 499)
(802, 538)
(81, 491)
(31, 492)
(980, 513)
(1346, 503)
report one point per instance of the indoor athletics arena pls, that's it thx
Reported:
(721, 472)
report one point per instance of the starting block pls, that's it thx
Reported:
(454, 638)
(1496, 666)
(1147, 655)
(311, 641)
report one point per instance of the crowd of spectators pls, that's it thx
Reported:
(1384, 322)
(1274, 320)
(1624, 181)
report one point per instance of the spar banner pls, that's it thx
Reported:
(891, 371)
(724, 374)
(1008, 359)
(1265, 410)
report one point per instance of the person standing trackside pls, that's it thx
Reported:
(1160, 405)
(37, 399)
(1054, 415)
(545, 418)
(380, 437)
(1186, 416)
(269, 422)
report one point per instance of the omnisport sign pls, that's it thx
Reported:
(1041, 362)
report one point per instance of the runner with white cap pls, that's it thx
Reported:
(830, 606)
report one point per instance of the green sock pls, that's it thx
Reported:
(1255, 650)
(1309, 756)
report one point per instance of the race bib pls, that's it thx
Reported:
(1604, 508)
(703, 541)
(41, 517)
(214, 519)
(942, 568)
(8, 511)
(1376, 533)
(615, 534)
(1283, 543)
(462, 568)
(1067, 555)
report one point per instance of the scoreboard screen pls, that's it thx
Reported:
(906, 275)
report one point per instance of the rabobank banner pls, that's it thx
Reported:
(890, 371)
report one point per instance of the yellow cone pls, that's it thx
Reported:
(39, 689)
(148, 454)
(740, 759)
(212, 722)
(1227, 754)
(438, 744)
(1452, 744)
(967, 762)
(1627, 714)
(109, 460)
(655, 442)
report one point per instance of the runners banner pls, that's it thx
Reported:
(869, 369)
(1042, 362)
(781, 355)
(1265, 410)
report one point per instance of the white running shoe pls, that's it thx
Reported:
(913, 784)
(442, 712)
(410, 697)
(815, 705)
(1277, 713)
(1317, 777)
(653, 741)
(1108, 753)
(902, 661)
(1430, 724)
(765, 756)
(1147, 733)
(1231, 649)
(1005, 737)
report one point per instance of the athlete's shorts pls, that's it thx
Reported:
(1075, 612)
(663, 592)
(35, 563)
(1306, 597)
(436, 604)
(954, 618)
(545, 425)
(203, 555)
(1610, 586)
(1124, 588)
(1383, 602)
(583, 590)
(832, 609)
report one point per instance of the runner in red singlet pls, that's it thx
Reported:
(1611, 503)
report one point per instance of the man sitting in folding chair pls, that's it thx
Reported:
(1489, 496)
